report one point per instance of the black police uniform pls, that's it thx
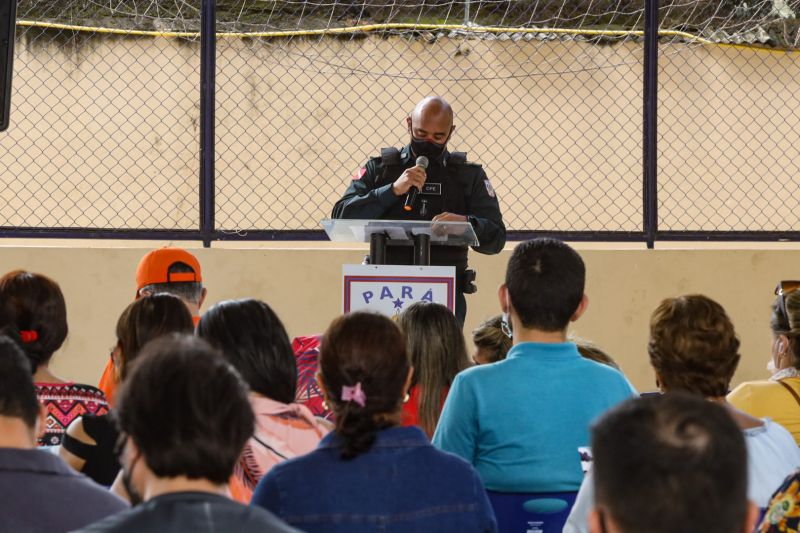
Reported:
(452, 185)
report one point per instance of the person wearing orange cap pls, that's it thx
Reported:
(165, 270)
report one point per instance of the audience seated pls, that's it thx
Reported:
(693, 348)
(185, 414)
(38, 492)
(667, 464)
(779, 397)
(170, 271)
(783, 512)
(369, 474)
(520, 421)
(89, 443)
(438, 352)
(32, 311)
(491, 342)
(252, 338)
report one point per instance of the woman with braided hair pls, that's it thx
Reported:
(370, 474)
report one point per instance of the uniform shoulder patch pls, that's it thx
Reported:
(358, 174)
(489, 188)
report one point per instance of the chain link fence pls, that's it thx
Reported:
(554, 119)
(729, 130)
(103, 123)
(547, 95)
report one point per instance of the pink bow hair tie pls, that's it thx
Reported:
(354, 394)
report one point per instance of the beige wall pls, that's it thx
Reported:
(625, 284)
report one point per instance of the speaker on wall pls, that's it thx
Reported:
(8, 20)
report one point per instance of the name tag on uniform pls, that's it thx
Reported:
(432, 188)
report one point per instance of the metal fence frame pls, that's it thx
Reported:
(207, 232)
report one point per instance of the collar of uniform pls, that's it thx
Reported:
(406, 155)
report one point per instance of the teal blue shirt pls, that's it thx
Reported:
(520, 421)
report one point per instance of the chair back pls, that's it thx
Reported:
(531, 513)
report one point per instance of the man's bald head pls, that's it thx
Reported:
(431, 120)
(432, 107)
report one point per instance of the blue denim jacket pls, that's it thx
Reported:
(402, 484)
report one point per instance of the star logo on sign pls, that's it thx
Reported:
(398, 304)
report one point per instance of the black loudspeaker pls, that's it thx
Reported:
(8, 21)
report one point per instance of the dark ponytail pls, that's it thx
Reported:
(363, 360)
(33, 304)
(358, 428)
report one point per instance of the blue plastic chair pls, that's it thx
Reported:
(531, 513)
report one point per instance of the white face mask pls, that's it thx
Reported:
(777, 346)
(771, 368)
(505, 326)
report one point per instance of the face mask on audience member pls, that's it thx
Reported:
(777, 353)
(505, 326)
(127, 481)
(771, 368)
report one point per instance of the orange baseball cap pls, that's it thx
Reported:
(154, 267)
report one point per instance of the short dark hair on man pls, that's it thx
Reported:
(670, 463)
(545, 280)
(186, 409)
(190, 291)
(252, 337)
(17, 391)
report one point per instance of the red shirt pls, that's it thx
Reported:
(410, 415)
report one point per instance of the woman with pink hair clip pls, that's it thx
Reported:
(370, 474)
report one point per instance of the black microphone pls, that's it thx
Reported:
(411, 197)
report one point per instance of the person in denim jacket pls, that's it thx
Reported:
(370, 474)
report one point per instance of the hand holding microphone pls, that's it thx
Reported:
(410, 182)
(422, 163)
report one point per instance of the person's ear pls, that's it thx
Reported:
(116, 360)
(408, 123)
(409, 380)
(581, 308)
(595, 522)
(502, 295)
(132, 448)
(202, 299)
(659, 382)
(751, 520)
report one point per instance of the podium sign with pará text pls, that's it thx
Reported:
(389, 289)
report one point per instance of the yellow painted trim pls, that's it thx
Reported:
(385, 27)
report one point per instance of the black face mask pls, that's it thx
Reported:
(127, 482)
(429, 149)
